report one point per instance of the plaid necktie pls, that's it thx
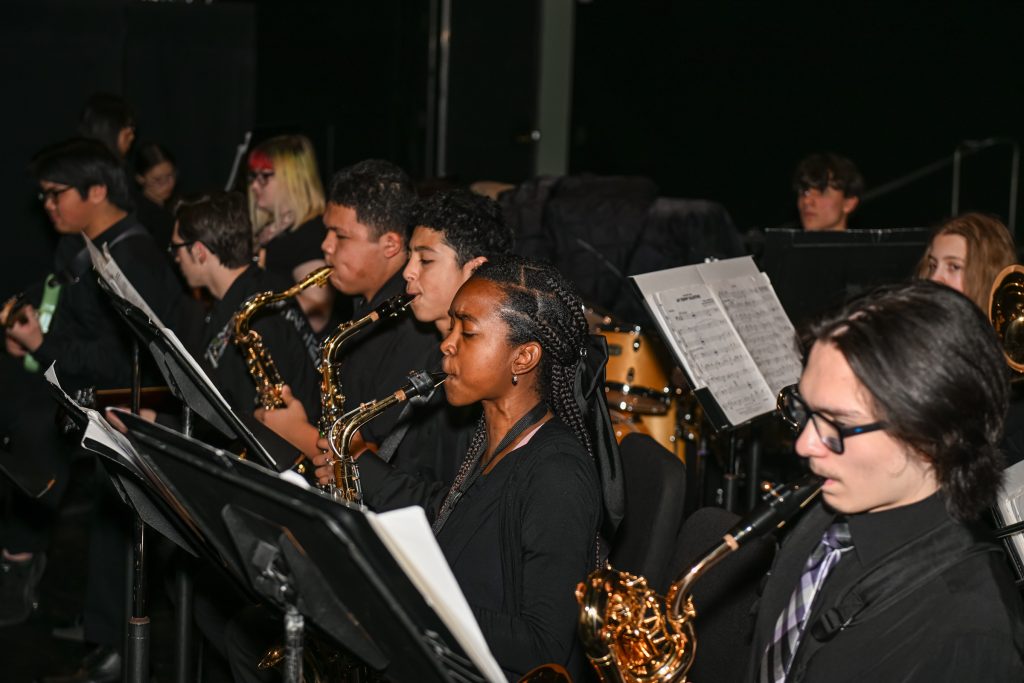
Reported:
(778, 656)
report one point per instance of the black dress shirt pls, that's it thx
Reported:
(964, 624)
(377, 360)
(88, 341)
(519, 540)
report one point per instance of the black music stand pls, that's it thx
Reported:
(189, 385)
(143, 492)
(285, 541)
(31, 477)
(813, 271)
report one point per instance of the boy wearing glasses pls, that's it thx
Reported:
(212, 245)
(889, 576)
(84, 192)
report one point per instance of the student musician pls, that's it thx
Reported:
(368, 211)
(456, 231)
(286, 205)
(212, 245)
(828, 189)
(890, 577)
(966, 253)
(85, 193)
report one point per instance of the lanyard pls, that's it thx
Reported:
(51, 293)
(471, 472)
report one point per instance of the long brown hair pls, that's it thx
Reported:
(990, 248)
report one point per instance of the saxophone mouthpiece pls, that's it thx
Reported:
(781, 503)
(393, 306)
(423, 383)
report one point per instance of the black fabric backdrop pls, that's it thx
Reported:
(189, 71)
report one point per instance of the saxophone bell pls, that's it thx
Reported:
(632, 635)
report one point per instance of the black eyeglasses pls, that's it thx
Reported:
(173, 247)
(53, 194)
(261, 177)
(796, 413)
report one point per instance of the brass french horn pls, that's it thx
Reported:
(1006, 311)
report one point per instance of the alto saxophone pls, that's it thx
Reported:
(346, 486)
(632, 635)
(332, 399)
(257, 359)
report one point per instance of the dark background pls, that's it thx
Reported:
(715, 99)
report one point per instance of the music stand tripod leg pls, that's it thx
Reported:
(137, 648)
(187, 667)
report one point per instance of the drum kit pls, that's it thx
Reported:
(645, 389)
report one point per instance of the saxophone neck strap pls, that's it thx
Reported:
(81, 262)
(468, 476)
(893, 578)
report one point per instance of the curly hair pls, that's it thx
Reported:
(380, 192)
(221, 222)
(931, 363)
(989, 249)
(472, 225)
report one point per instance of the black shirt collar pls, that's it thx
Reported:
(246, 284)
(876, 534)
(111, 233)
(393, 287)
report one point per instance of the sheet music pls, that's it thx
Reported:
(728, 330)
(758, 317)
(407, 536)
(106, 267)
(98, 429)
(1010, 505)
(713, 352)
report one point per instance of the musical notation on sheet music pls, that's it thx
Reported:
(715, 355)
(755, 312)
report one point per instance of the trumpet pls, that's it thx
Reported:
(632, 635)
(346, 486)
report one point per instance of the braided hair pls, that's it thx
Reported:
(539, 305)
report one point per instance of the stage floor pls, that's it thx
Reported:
(29, 651)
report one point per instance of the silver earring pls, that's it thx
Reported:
(515, 378)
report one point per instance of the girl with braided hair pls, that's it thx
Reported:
(520, 523)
